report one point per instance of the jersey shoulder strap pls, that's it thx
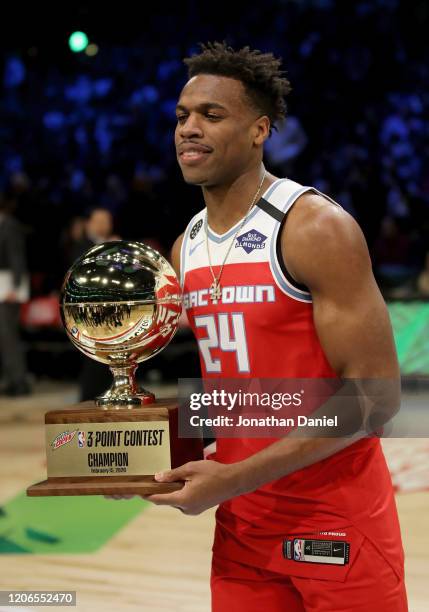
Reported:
(191, 232)
(280, 200)
(277, 204)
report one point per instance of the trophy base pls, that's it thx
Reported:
(113, 399)
(138, 485)
(83, 441)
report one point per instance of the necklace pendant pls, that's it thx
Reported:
(215, 291)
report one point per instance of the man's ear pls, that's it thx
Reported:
(261, 130)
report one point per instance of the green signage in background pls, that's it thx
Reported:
(410, 321)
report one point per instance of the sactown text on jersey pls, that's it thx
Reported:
(235, 294)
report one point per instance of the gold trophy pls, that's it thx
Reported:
(120, 305)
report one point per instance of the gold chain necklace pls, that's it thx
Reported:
(215, 287)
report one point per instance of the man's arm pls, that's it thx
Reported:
(323, 248)
(175, 254)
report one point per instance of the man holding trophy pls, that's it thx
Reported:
(120, 305)
(303, 523)
(326, 319)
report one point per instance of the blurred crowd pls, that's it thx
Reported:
(87, 142)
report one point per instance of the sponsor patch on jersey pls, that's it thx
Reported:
(331, 552)
(251, 240)
(195, 229)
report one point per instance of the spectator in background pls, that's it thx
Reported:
(14, 289)
(98, 229)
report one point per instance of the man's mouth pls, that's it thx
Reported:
(193, 156)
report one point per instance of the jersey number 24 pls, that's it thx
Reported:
(219, 328)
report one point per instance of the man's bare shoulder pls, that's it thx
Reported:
(315, 213)
(319, 235)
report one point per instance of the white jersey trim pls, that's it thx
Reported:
(282, 282)
(183, 248)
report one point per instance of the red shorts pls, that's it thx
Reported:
(371, 585)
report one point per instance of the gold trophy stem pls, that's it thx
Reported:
(124, 392)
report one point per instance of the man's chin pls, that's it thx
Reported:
(197, 180)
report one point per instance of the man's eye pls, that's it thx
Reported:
(211, 116)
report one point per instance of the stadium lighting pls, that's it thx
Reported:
(78, 42)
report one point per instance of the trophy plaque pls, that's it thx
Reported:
(120, 305)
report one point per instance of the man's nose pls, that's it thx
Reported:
(190, 127)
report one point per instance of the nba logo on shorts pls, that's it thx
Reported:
(297, 550)
(81, 439)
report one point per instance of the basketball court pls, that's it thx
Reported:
(131, 555)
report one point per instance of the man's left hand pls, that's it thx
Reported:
(207, 484)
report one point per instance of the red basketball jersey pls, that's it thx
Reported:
(263, 328)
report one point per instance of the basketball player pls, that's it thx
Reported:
(302, 524)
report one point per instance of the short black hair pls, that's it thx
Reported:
(260, 74)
